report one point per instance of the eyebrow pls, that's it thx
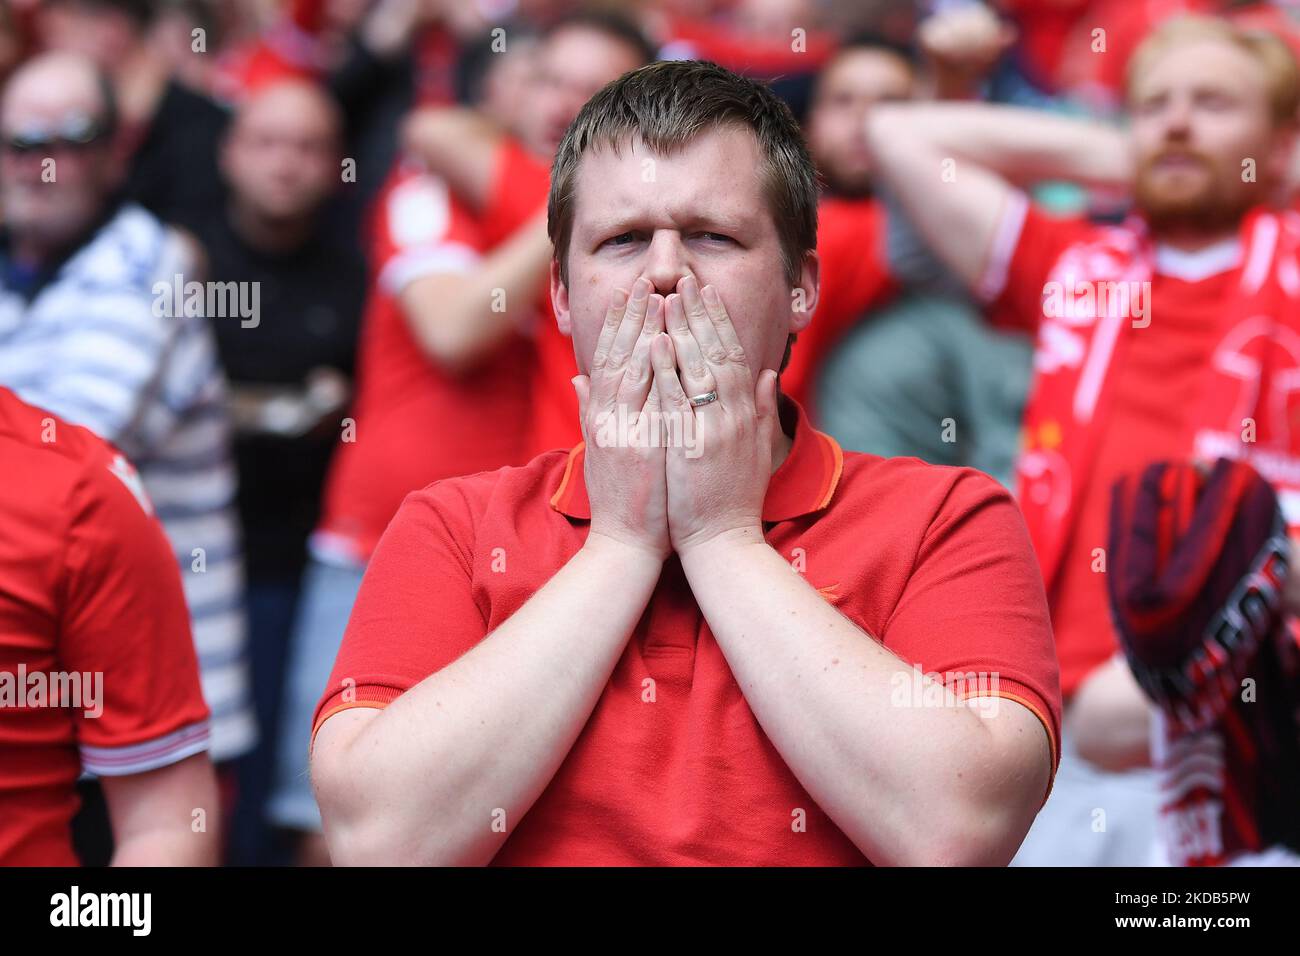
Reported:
(707, 220)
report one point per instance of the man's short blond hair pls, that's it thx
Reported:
(1273, 55)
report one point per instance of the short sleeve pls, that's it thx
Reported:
(1025, 249)
(420, 229)
(126, 629)
(975, 604)
(415, 612)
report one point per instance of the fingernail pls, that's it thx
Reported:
(640, 288)
(619, 298)
(710, 295)
(656, 303)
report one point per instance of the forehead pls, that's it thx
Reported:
(290, 112)
(578, 50)
(48, 93)
(715, 175)
(866, 72)
(1201, 63)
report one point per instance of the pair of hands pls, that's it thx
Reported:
(674, 476)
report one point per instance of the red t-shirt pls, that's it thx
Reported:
(414, 421)
(854, 278)
(933, 562)
(1155, 386)
(88, 587)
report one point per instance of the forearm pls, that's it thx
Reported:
(175, 846)
(425, 780)
(951, 168)
(1109, 719)
(170, 816)
(460, 320)
(458, 145)
(908, 784)
(1022, 145)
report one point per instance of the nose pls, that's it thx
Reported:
(1178, 119)
(666, 261)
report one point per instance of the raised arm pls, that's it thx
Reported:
(457, 144)
(955, 167)
(460, 318)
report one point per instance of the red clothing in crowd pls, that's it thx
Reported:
(948, 583)
(88, 586)
(518, 192)
(1155, 388)
(414, 421)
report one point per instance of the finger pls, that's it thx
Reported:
(651, 417)
(630, 330)
(701, 324)
(654, 316)
(696, 378)
(671, 396)
(722, 325)
(637, 377)
(613, 319)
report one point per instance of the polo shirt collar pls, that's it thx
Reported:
(803, 484)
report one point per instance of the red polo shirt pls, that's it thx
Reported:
(88, 586)
(934, 562)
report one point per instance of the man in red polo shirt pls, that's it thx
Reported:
(705, 635)
(97, 668)
(1152, 337)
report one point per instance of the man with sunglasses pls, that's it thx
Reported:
(83, 334)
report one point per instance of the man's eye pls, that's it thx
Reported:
(622, 239)
(1216, 101)
(715, 237)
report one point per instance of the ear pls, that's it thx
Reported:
(1286, 158)
(803, 296)
(560, 299)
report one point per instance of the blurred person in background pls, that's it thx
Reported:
(85, 333)
(187, 36)
(898, 360)
(447, 355)
(503, 178)
(90, 601)
(290, 373)
(168, 134)
(1149, 342)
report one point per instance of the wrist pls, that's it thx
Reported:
(720, 548)
(622, 554)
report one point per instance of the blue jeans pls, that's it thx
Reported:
(328, 592)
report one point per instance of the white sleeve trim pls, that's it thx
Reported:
(1003, 248)
(412, 264)
(148, 755)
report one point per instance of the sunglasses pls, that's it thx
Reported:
(74, 133)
